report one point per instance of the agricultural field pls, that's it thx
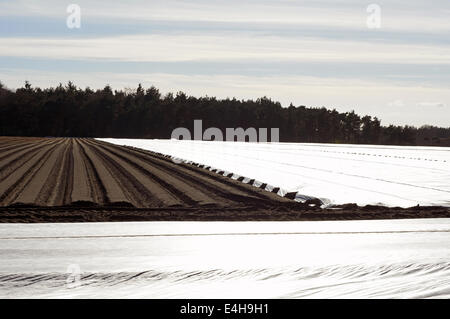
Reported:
(81, 179)
(83, 172)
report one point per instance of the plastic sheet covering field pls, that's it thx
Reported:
(337, 174)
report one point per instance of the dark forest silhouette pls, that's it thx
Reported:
(71, 111)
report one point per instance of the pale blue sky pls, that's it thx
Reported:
(314, 53)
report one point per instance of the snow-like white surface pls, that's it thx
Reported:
(318, 259)
(337, 174)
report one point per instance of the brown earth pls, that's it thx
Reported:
(78, 179)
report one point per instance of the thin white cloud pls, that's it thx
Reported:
(221, 48)
(431, 104)
(405, 16)
(396, 103)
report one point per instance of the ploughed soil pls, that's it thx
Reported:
(80, 180)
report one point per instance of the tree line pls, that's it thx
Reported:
(67, 110)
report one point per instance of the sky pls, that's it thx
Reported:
(389, 59)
